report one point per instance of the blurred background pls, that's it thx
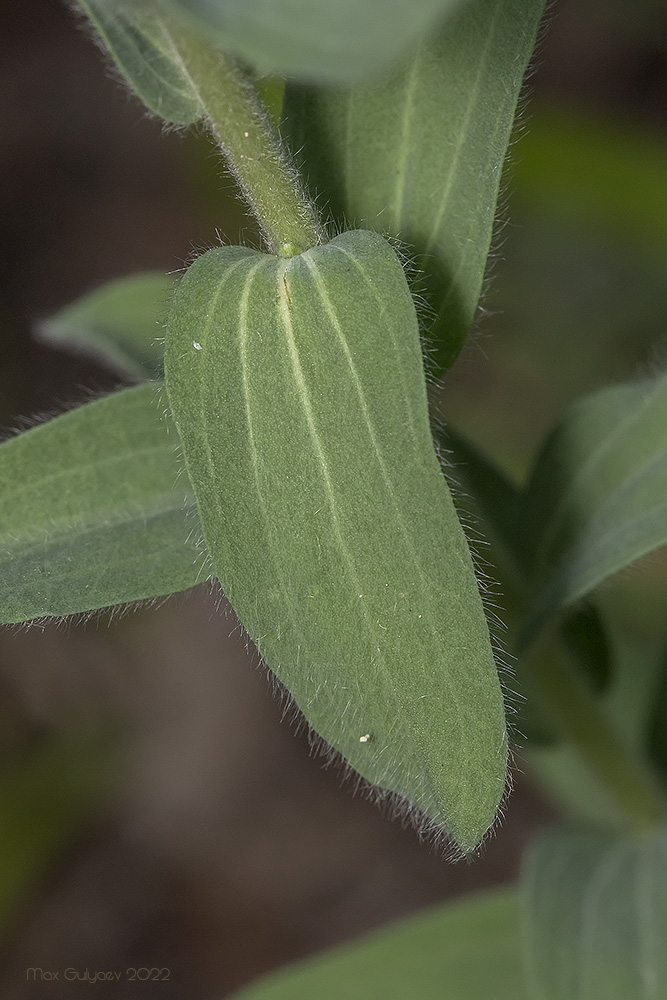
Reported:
(155, 808)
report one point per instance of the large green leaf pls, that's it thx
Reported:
(119, 323)
(596, 917)
(468, 950)
(140, 43)
(599, 492)
(316, 39)
(419, 155)
(93, 511)
(299, 393)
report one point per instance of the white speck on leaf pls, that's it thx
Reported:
(196, 346)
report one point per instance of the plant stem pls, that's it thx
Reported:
(579, 718)
(250, 144)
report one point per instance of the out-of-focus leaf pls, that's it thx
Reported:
(598, 493)
(490, 498)
(468, 950)
(596, 171)
(45, 802)
(657, 722)
(332, 43)
(138, 39)
(93, 511)
(596, 916)
(299, 394)
(584, 633)
(119, 323)
(499, 508)
(419, 155)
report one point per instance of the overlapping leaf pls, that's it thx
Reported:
(419, 155)
(598, 496)
(138, 39)
(468, 950)
(318, 40)
(596, 916)
(93, 511)
(119, 323)
(299, 394)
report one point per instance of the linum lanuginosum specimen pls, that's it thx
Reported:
(299, 394)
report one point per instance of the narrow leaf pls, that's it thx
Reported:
(299, 393)
(120, 323)
(419, 155)
(599, 492)
(139, 41)
(596, 917)
(93, 511)
(317, 40)
(468, 950)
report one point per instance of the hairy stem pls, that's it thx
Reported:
(250, 144)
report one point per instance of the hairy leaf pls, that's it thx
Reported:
(138, 39)
(119, 323)
(299, 393)
(596, 916)
(599, 492)
(419, 155)
(318, 40)
(467, 950)
(93, 511)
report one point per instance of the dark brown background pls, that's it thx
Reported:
(223, 848)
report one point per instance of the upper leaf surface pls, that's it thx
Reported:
(118, 322)
(466, 950)
(596, 917)
(93, 511)
(298, 390)
(317, 40)
(420, 155)
(139, 41)
(599, 492)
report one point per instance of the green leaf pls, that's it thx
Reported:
(467, 950)
(318, 40)
(599, 493)
(598, 170)
(93, 511)
(499, 508)
(492, 500)
(137, 37)
(656, 736)
(584, 633)
(120, 323)
(596, 916)
(419, 156)
(299, 394)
